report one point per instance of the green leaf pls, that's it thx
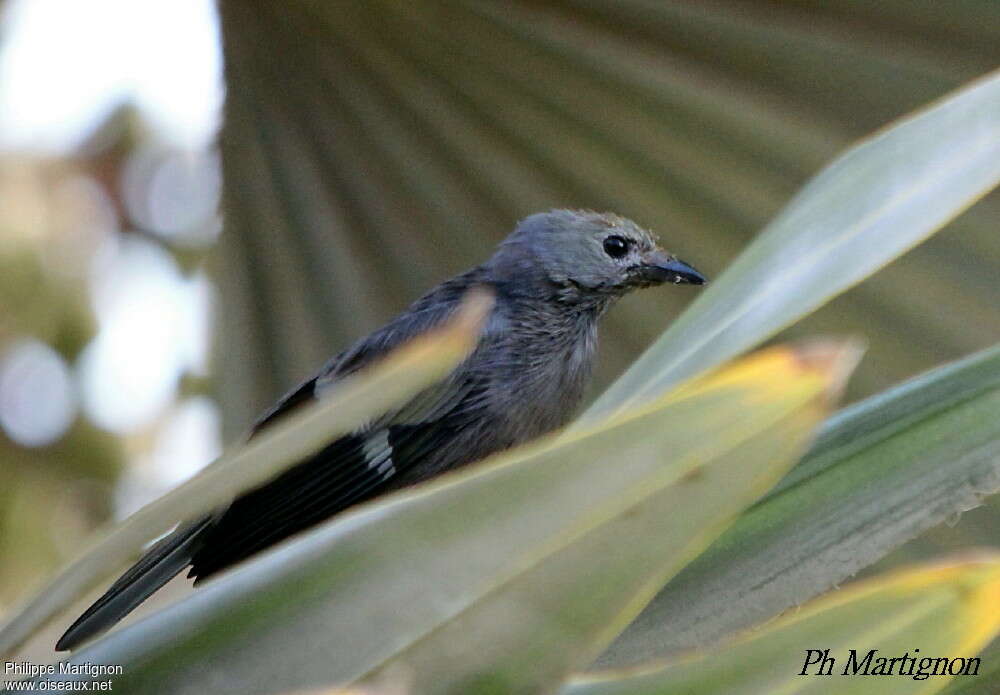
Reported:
(988, 682)
(353, 402)
(508, 575)
(880, 473)
(944, 611)
(870, 205)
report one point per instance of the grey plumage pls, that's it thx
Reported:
(553, 278)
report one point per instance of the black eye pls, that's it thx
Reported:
(615, 246)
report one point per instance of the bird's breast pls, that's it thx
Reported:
(548, 383)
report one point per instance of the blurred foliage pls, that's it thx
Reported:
(374, 148)
(50, 496)
(60, 214)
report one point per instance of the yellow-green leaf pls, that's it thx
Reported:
(880, 472)
(507, 575)
(947, 611)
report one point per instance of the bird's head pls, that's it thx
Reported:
(590, 254)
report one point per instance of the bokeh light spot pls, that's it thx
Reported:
(37, 400)
(174, 194)
(131, 368)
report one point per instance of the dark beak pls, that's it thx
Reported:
(658, 268)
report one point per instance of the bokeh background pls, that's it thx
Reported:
(373, 148)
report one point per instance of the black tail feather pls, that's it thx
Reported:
(155, 568)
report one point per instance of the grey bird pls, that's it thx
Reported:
(552, 279)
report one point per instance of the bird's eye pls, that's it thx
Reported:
(615, 246)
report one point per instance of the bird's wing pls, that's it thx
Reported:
(352, 468)
(426, 313)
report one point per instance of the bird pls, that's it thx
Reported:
(552, 279)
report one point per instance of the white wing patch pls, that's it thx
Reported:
(378, 453)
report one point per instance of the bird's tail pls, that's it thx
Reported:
(156, 567)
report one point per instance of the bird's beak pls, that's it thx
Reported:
(658, 267)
